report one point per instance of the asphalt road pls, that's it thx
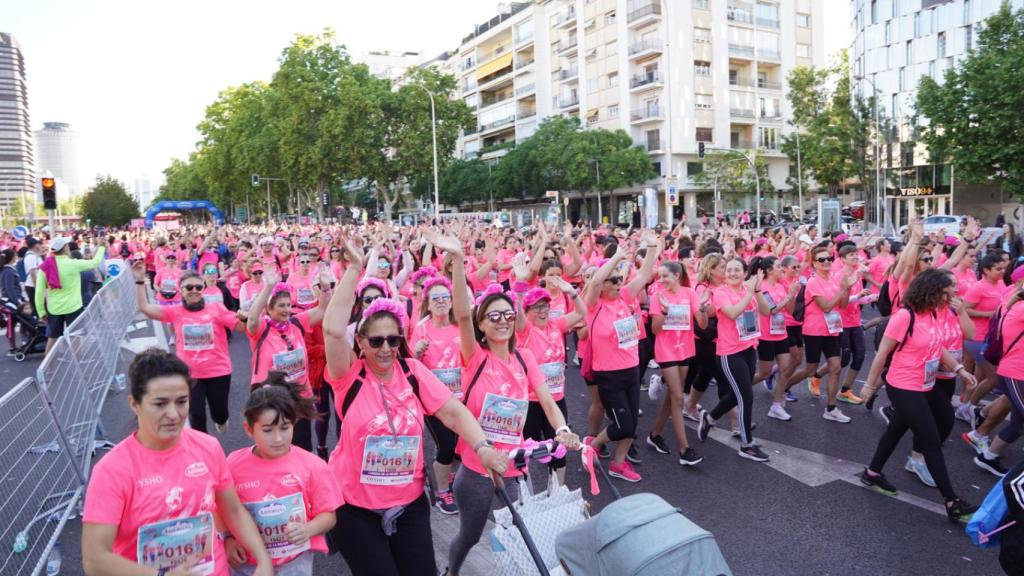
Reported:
(804, 513)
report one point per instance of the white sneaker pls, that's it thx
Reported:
(222, 428)
(656, 388)
(836, 416)
(653, 364)
(779, 413)
(964, 412)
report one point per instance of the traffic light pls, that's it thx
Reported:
(255, 180)
(700, 149)
(49, 194)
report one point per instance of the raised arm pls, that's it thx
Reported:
(338, 314)
(579, 307)
(461, 305)
(593, 288)
(151, 311)
(259, 303)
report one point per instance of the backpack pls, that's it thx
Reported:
(885, 303)
(20, 268)
(266, 332)
(994, 349)
(801, 304)
(476, 376)
(985, 526)
(357, 384)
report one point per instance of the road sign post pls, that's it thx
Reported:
(671, 197)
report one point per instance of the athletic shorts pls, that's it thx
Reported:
(675, 363)
(976, 348)
(767, 350)
(814, 346)
(796, 336)
(56, 323)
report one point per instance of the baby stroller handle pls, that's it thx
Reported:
(521, 526)
(607, 479)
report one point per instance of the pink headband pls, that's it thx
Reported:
(535, 295)
(375, 282)
(393, 307)
(491, 290)
(424, 271)
(280, 287)
(436, 281)
(1018, 274)
(952, 241)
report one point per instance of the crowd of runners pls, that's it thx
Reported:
(463, 333)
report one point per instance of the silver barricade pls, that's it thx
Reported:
(48, 428)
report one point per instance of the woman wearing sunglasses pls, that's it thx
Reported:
(250, 288)
(278, 340)
(167, 279)
(384, 526)
(200, 332)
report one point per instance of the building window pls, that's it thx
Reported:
(702, 35)
(910, 53)
(613, 111)
(803, 20)
(613, 79)
(701, 4)
(704, 101)
(653, 140)
(694, 168)
(888, 32)
(769, 139)
(968, 37)
(702, 68)
(803, 50)
(917, 24)
(609, 18)
(611, 48)
(895, 8)
(941, 44)
(896, 105)
(903, 75)
(931, 70)
(967, 12)
(592, 85)
(705, 135)
(874, 11)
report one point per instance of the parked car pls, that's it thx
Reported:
(855, 210)
(948, 222)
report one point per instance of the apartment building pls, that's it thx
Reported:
(671, 73)
(17, 174)
(896, 43)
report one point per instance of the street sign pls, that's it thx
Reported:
(19, 232)
(551, 194)
(672, 191)
(241, 213)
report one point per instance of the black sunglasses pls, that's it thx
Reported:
(367, 300)
(614, 280)
(377, 341)
(497, 315)
(304, 261)
(825, 259)
(191, 287)
(257, 273)
(927, 259)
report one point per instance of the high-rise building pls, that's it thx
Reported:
(390, 65)
(896, 43)
(16, 161)
(671, 73)
(57, 154)
(142, 190)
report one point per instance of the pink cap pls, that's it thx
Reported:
(535, 295)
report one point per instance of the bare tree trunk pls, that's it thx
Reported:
(383, 191)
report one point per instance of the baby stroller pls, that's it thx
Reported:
(33, 333)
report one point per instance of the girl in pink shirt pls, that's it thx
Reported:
(675, 310)
(212, 292)
(271, 476)
(250, 288)
(711, 274)
(163, 476)
(382, 395)
(773, 346)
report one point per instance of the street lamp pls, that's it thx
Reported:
(879, 204)
(433, 135)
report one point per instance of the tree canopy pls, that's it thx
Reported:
(108, 203)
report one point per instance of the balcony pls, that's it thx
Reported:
(769, 85)
(743, 113)
(656, 147)
(644, 12)
(567, 74)
(741, 144)
(493, 54)
(568, 102)
(524, 62)
(524, 39)
(642, 80)
(767, 22)
(468, 64)
(742, 51)
(739, 15)
(771, 117)
(565, 19)
(646, 48)
(486, 101)
(566, 45)
(646, 114)
(525, 114)
(773, 55)
(526, 90)
(497, 124)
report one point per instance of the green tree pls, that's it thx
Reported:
(182, 181)
(973, 117)
(464, 181)
(108, 203)
(730, 172)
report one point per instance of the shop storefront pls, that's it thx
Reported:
(921, 190)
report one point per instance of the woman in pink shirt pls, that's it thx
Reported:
(164, 476)
(773, 346)
(908, 361)
(200, 332)
(167, 280)
(982, 300)
(382, 395)
(250, 288)
(711, 275)
(675, 310)
(213, 293)
(271, 476)
(736, 304)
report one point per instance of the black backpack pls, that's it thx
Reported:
(357, 384)
(476, 376)
(710, 333)
(801, 304)
(885, 303)
(994, 349)
(880, 332)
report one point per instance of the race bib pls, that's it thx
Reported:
(196, 337)
(777, 324)
(626, 332)
(554, 376)
(834, 322)
(931, 369)
(305, 296)
(217, 298)
(452, 378)
(502, 419)
(272, 517)
(747, 326)
(292, 363)
(389, 460)
(169, 285)
(555, 313)
(677, 317)
(170, 543)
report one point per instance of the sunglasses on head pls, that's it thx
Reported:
(287, 342)
(335, 251)
(191, 287)
(824, 259)
(377, 341)
(367, 300)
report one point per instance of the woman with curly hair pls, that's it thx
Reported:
(908, 362)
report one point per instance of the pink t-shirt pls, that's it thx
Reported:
(379, 461)
(200, 339)
(166, 281)
(965, 278)
(301, 285)
(233, 280)
(498, 401)
(916, 366)
(132, 487)
(285, 351)
(442, 355)
(615, 331)
(952, 337)
(248, 292)
(734, 334)
(505, 255)
(773, 325)
(850, 314)
(1012, 364)
(986, 297)
(297, 472)
(547, 344)
(877, 267)
(815, 321)
(675, 342)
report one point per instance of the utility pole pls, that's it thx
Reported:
(799, 177)
(433, 136)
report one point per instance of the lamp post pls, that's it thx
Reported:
(433, 136)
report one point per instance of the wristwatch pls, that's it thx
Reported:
(481, 444)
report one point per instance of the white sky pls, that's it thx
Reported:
(134, 77)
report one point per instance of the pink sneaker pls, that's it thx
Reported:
(624, 471)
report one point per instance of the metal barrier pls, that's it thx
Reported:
(48, 427)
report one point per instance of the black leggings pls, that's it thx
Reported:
(445, 440)
(738, 371)
(324, 407)
(945, 419)
(645, 349)
(1014, 389)
(619, 391)
(213, 391)
(702, 368)
(538, 428)
(921, 413)
(359, 537)
(852, 348)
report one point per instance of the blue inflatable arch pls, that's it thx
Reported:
(183, 205)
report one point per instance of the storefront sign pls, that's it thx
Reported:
(917, 192)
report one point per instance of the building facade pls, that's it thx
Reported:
(896, 43)
(57, 155)
(390, 65)
(672, 74)
(17, 177)
(142, 190)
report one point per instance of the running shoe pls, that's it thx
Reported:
(652, 365)
(878, 482)
(979, 419)
(445, 502)
(655, 388)
(790, 397)
(976, 441)
(849, 397)
(836, 415)
(604, 453)
(633, 455)
(964, 412)
(959, 511)
(658, 443)
(736, 431)
(992, 465)
(769, 382)
(624, 471)
(689, 457)
(887, 413)
(921, 469)
(692, 416)
(222, 428)
(705, 426)
(814, 386)
(779, 413)
(753, 452)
